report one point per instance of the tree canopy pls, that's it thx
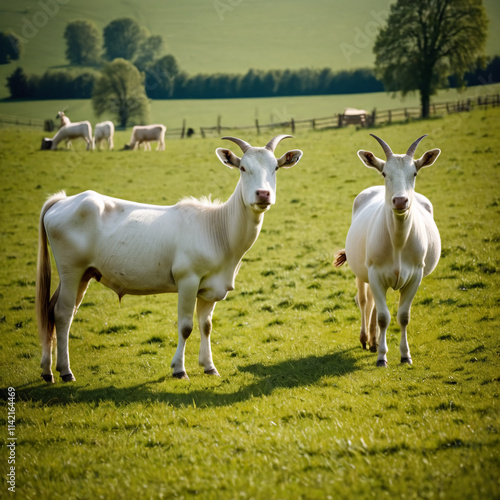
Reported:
(83, 42)
(122, 39)
(11, 47)
(426, 42)
(120, 91)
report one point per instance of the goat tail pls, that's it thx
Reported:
(340, 258)
(43, 304)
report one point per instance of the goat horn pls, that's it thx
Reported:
(414, 146)
(241, 143)
(387, 150)
(271, 145)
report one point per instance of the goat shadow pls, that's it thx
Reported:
(288, 374)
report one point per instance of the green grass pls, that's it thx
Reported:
(239, 112)
(232, 39)
(300, 410)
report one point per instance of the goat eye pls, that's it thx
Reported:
(242, 169)
(383, 174)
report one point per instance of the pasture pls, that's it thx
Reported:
(300, 410)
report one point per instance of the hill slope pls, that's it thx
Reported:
(218, 36)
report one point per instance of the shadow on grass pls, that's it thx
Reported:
(287, 374)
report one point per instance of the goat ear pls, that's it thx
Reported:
(290, 158)
(427, 159)
(227, 157)
(370, 160)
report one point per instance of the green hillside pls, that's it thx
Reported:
(219, 35)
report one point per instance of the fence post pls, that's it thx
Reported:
(313, 124)
(339, 121)
(218, 124)
(374, 117)
(183, 132)
(389, 116)
(293, 126)
(257, 126)
(202, 132)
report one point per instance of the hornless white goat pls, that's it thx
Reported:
(70, 130)
(193, 248)
(104, 131)
(146, 134)
(393, 242)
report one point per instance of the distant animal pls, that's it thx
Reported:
(193, 248)
(393, 242)
(145, 134)
(64, 119)
(68, 131)
(353, 116)
(104, 131)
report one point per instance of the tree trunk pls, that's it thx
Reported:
(425, 102)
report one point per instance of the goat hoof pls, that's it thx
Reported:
(408, 361)
(48, 378)
(363, 345)
(68, 378)
(373, 348)
(382, 363)
(181, 375)
(212, 371)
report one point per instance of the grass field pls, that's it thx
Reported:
(229, 36)
(300, 410)
(240, 112)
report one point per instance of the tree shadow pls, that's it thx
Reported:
(289, 374)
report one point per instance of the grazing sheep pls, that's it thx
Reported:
(145, 134)
(68, 131)
(104, 131)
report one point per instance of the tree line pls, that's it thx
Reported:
(164, 80)
(424, 46)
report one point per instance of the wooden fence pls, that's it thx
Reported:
(372, 119)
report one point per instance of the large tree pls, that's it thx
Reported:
(83, 42)
(123, 38)
(427, 41)
(120, 91)
(11, 47)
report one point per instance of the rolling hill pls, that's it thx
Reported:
(220, 35)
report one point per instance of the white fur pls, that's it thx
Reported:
(104, 131)
(193, 248)
(393, 242)
(145, 134)
(70, 130)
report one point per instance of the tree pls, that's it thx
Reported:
(160, 77)
(122, 38)
(148, 51)
(424, 42)
(120, 91)
(11, 47)
(17, 84)
(83, 41)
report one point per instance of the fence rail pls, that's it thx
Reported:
(338, 120)
(371, 119)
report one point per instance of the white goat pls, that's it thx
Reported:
(393, 242)
(70, 130)
(64, 119)
(145, 134)
(104, 131)
(193, 248)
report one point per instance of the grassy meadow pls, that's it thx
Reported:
(239, 112)
(300, 410)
